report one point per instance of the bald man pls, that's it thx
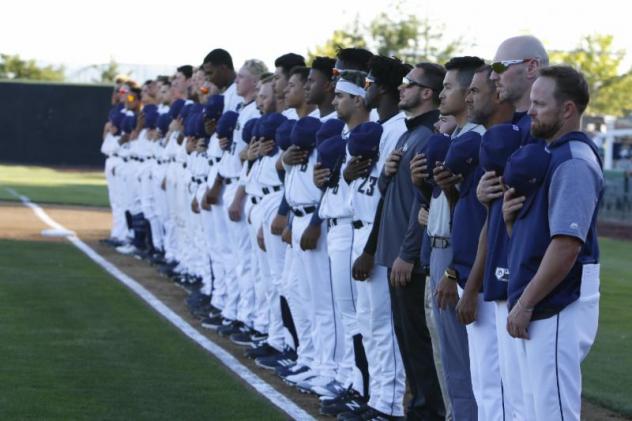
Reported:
(514, 70)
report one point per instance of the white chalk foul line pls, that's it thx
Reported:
(269, 392)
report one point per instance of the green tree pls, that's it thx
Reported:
(350, 36)
(14, 67)
(109, 71)
(596, 58)
(412, 39)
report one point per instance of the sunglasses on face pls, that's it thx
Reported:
(503, 65)
(407, 83)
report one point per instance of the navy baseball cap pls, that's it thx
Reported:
(283, 134)
(185, 111)
(226, 124)
(129, 123)
(364, 140)
(497, 145)
(436, 149)
(198, 124)
(526, 168)
(247, 131)
(163, 123)
(214, 107)
(151, 118)
(176, 107)
(188, 127)
(150, 108)
(462, 156)
(269, 124)
(331, 152)
(117, 120)
(304, 133)
(330, 128)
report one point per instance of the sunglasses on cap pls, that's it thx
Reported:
(503, 65)
(357, 77)
(368, 81)
(407, 83)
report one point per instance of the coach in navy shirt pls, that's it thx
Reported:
(553, 252)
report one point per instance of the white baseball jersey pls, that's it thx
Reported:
(290, 113)
(230, 165)
(335, 203)
(300, 189)
(364, 194)
(329, 116)
(231, 98)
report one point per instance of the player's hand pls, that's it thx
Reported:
(512, 203)
(446, 293)
(278, 224)
(235, 211)
(252, 152)
(466, 307)
(195, 206)
(286, 236)
(260, 240)
(444, 178)
(422, 217)
(224, 143)
(362, 267)
(321, 175)
(205, 204)
(309, 239)
(266, 146)
(401, 272)
(212, 194)
(357, 167)
(294, 155)
(419, 169)
(518, 321)
(392, 162)
(489, 188)
(209, 126)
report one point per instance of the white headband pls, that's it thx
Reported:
(349, 88)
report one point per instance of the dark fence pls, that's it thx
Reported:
(52, 124)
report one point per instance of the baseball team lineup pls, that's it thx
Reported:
(401, 240)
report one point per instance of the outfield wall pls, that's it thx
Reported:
(52, 123)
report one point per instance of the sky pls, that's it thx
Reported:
(170, 33)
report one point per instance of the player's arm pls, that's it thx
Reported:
(466, 307)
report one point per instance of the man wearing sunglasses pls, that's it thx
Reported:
(395, 237)
(514, 70)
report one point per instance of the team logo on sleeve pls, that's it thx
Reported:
(502, 274)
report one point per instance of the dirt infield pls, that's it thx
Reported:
(19, 223)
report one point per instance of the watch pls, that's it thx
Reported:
(451, 274)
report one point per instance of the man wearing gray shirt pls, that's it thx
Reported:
(398, 237)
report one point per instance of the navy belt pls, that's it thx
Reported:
(255, 200)
(439, 242)
(358, 224)
(304, 211)
(268, 190)
(228, 181)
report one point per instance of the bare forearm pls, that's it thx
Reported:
(558, 260)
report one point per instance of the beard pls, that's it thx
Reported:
(545, 131)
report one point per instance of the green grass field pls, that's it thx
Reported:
(608, 368)
(82, 331)
(45, 185)
(75, 344)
